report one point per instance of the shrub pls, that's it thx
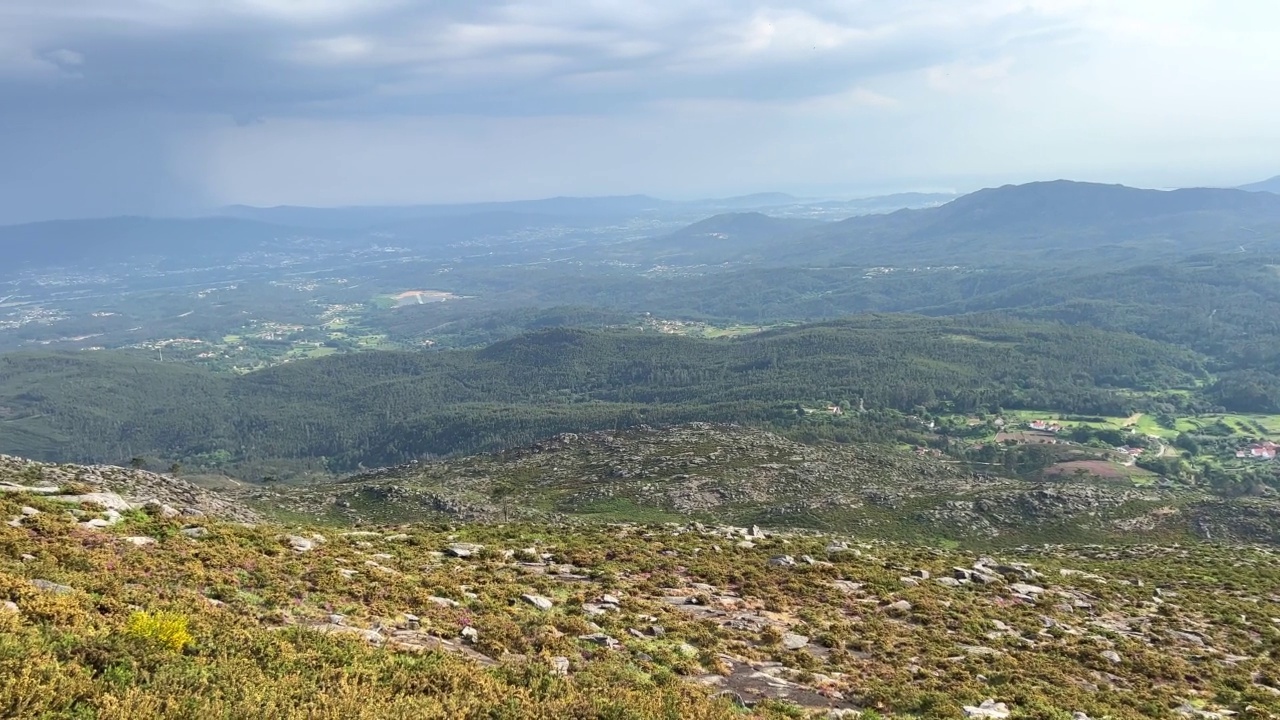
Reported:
(162, 628)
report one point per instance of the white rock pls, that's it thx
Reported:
(108, 501)
(988, 709)
(538, 601)
(791, 641)
(140, 540)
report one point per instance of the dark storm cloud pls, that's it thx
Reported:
(263, 58)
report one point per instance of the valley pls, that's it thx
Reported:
(610, 458)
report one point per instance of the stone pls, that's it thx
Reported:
(412, 622)
(948, 581)
(782, 561)
(155, 507)
(8, 606)
(746, 545)
(909, 581)
(140, 540)
(599, 639)
(470, 634)
(657, 631)
(538, 601)
(922, 574)
(756, 532)
(29, 511)
(1025, 589)
(560, 665)
(464, 550)
(792, 641)
(27, 557)
(608, 599)
(1111, 656)
(901, 606)
(196, 532)
(337, 619)
(300, 544)
(988, 709)
(807, 559)
(107, 501)
(53, 587)
(443, 601)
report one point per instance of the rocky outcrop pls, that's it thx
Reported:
(118, 489)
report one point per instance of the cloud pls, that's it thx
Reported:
(310, 58)
(148, 105)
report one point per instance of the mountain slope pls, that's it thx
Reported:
(1061, 222)
(744, 476)
(292, 621)
(1271, 185)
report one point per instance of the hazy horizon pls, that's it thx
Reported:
(165, 107)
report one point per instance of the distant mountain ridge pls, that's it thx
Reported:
(1271, 185)
(1056, 221)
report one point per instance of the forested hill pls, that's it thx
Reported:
(384, 407)
(1060, 222)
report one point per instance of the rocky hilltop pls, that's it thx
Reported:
(724, 473)
(116, 489)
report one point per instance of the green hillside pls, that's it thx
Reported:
(385, 407)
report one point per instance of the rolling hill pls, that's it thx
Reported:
(1046, 224)
(384, 407)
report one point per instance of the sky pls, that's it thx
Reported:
(178, 106)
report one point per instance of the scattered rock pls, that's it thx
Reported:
(53, 587)
(782, 561)
(792, 641)
(464, 550)
(443, 601)
(560, 665)
(599, 639)
(155, 507)
(470, 634)
(988, 709)
(1111, 656)
(538, 601)
(107, 501)
(901, 606)
(196, 532)
(300, 544)
(140, 540)
(8, 606)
